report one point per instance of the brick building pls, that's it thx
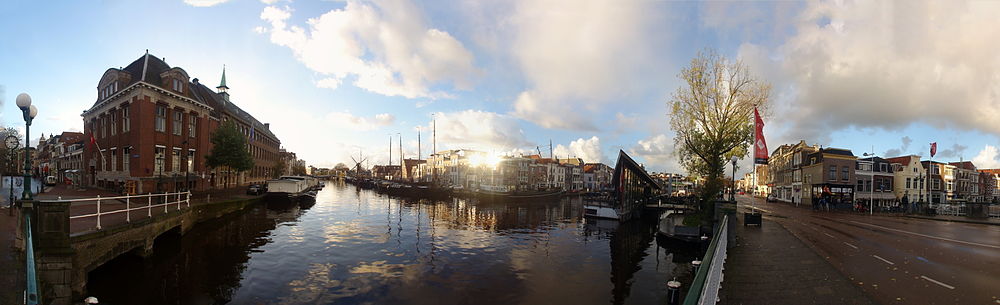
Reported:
(150, 127)
(829, 174)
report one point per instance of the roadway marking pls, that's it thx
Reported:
(852, 246)
(929, 236)
(882, 259)
(828, 234)
(939, 283)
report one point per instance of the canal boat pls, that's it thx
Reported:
(288, 189)
(598, 209)
(671, 225)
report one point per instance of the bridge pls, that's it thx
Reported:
(73, 237)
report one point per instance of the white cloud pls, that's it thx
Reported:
(576, 57)
(348, 120)
(989, 157)
(886, 64)
(204, 3)
(658, 153)
(475, 129)
(386, 47)
(587, 149)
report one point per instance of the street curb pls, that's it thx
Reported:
(955, 220)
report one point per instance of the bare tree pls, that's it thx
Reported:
(713, 118)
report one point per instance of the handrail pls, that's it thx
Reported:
(128, 205)
(705, 287)
(120, 197)
(31, 291)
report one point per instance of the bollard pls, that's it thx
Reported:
(673, 292)
(695, 264)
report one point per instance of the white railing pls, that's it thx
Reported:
(179, 199)
(713, 281)
(951, 209)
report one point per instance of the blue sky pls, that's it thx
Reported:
(338, 78)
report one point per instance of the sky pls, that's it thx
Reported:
(339, 79)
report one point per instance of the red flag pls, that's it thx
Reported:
(933, 149)
(760, 146)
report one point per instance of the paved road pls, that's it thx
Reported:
(900, 260)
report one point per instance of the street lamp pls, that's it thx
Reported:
(29, 111)
(732, 193)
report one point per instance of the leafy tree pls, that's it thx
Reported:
(713, 118)
(11, 166)
(229, 150)
(278, 170)
(298, 169)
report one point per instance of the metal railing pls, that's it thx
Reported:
(31, 296)
(994, 211)
(950, 209)
(162, 199)
(708, 280)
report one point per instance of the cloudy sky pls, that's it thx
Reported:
(339, 78)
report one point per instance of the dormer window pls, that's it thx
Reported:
(178, 85)
(109, 90)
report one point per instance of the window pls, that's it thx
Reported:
(190, 160)
(908, 182)
(178, 121)
(114, 159)
(843, 173)
(161, 118)
(832, 175)
(175, 159)
(192, 124)
(126, 155)
(104, 163)
(126, 122)
(937, 184)
(104, 127)
(861, 185)
(178, 85)
(114, 122)
(883, 168)
(161, 152)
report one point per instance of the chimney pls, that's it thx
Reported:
(195, 80)
(267, 126)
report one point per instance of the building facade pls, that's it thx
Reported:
(829, 177)
(909, 178)
(875, 182)
(149, 130)
(784, 177)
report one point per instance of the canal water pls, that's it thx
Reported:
(360, 247)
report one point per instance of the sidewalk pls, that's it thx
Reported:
(769, 265)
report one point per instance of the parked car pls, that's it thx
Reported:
(255, 189)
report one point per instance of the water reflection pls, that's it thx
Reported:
(356, 246)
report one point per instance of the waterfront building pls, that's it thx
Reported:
(410, 168)
(987, 186)
(990, 179)
(909, 178)
(966, 182)
(784, 167)
(875, 181)
(150, 127)
(633, 186)
(940, 177)
(829, 173)
(599, 176)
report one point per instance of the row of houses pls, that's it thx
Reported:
(149, 130)
(479, 170)
(802, 173)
